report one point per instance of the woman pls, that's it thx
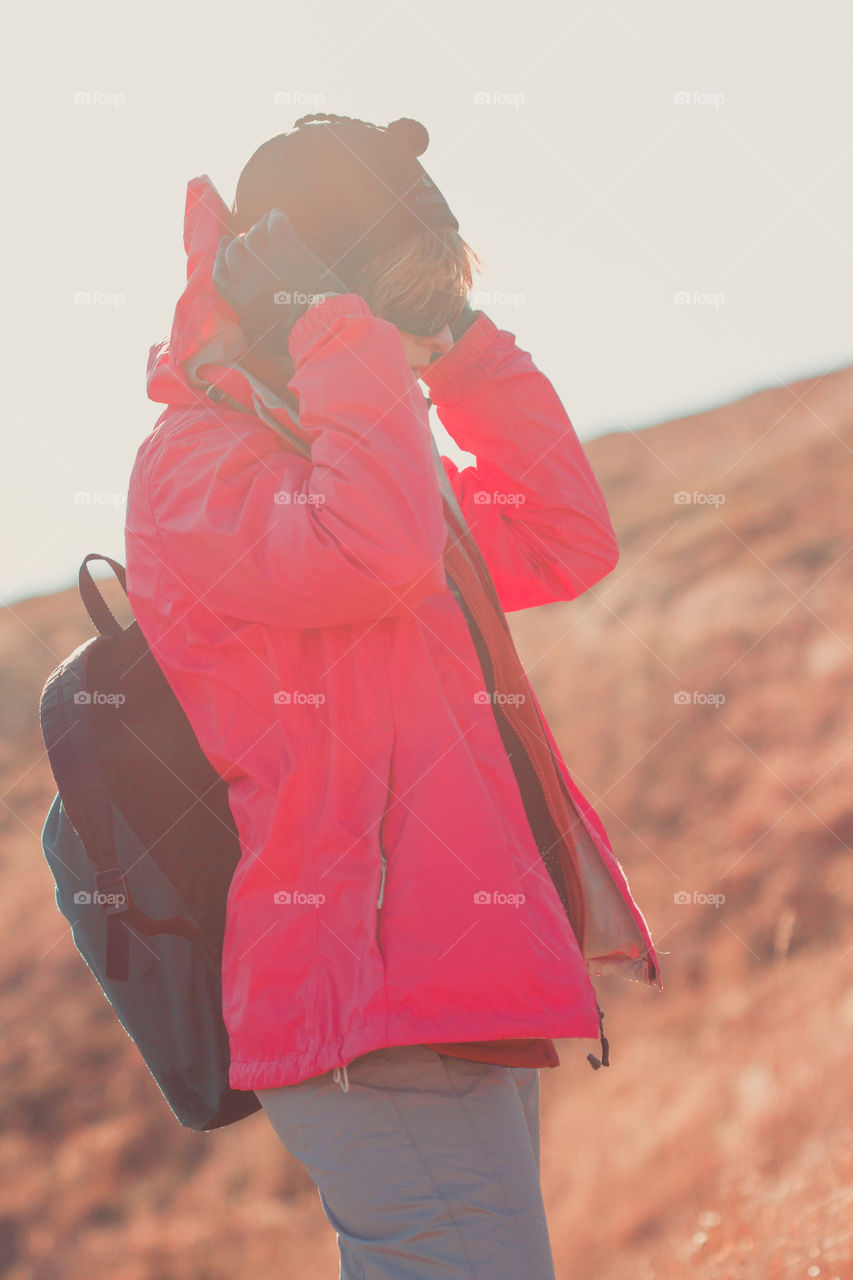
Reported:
(423, 892)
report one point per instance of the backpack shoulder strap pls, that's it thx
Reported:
(96, 606)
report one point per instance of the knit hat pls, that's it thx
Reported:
(351, 189)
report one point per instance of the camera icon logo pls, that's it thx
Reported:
(682, 698)
(282, 298)
(481, 497)
(481, 697)
(281, 897)
(681, 898)
(82, 897)
(481, 897)
(282, 697)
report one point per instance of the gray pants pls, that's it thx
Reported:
(427, 1166)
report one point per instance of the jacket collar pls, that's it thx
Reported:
(206, 341)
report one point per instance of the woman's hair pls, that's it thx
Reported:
(420, 284)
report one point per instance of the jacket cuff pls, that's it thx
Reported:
(319, 317)
(458, 371)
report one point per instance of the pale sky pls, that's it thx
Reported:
(662, 192)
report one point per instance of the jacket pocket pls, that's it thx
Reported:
(380, 897)
(383, 856)
(384, 863)
(383, 866)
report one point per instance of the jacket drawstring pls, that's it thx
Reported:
(604, 1060)
(339, 1075)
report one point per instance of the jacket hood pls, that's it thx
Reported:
(204, 328)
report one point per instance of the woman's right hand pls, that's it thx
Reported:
(463, 321)
(268, 277)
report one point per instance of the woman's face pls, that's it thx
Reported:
(422, 351)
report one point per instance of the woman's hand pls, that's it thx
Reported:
(463, 321)
(269, 277)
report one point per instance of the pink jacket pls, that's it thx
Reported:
(390, 890)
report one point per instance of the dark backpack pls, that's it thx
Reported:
(142, 845)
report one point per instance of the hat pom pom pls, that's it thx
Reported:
(411, 135)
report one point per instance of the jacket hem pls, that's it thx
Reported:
(317, 1060)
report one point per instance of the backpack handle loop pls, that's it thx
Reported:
(96, 606)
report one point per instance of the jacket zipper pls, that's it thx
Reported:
(546, 789)
(571, 865)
